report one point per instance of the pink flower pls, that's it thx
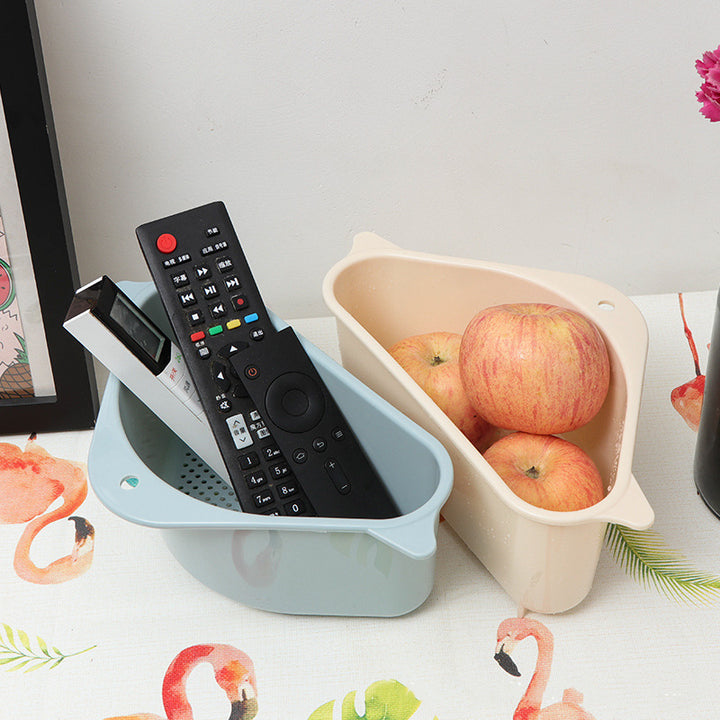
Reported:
(709, 94)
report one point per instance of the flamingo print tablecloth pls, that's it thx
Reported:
(97, 620)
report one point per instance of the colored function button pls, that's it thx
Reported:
(232, 324)
(215, 330)
(166, 243)
(196, 336)
(239, 302)
(252, 317)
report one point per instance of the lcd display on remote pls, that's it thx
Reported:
(146, 336)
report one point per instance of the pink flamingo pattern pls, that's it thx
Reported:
(687, 398)
(31, 480)
(509, 634)
(234, 673)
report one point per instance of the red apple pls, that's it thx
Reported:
(534, 367)
(546, 471)
(431, 360)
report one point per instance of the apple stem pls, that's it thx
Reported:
(533, 473)
(689, 336)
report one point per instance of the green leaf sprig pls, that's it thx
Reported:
(646, 557)
(17, 652)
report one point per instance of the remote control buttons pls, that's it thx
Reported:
(227, 351)
(196, 317)
(239, 302)
(295, 508)
(294, 402)
(187, 298)
(180, 279)
(202, 272)
(166, 243)
(220, 376)
(338, 476)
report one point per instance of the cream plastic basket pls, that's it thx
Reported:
(545, 560)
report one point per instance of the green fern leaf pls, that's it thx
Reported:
(646, 557)
(16, 656)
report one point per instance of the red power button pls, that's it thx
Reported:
(166, 243)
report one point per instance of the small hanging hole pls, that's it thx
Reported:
(129, 482)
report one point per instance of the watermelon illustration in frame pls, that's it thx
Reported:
(7, 290)
(46, 378)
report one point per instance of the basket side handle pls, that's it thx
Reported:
(366, 241)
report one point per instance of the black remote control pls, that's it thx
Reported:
(287, 446)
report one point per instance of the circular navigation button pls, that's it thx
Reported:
(166, 243)
(294, 402)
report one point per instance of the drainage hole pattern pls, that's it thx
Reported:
(196, 479)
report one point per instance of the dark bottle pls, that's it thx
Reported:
(707, 448)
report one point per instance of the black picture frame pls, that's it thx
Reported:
(26, 103)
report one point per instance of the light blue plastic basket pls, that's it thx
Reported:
(330, 566)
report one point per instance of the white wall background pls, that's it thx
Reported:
(552, 133)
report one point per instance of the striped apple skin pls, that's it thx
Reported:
(534, 367)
